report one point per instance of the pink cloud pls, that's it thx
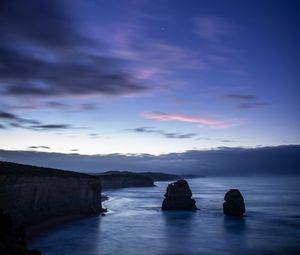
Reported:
(203, 121)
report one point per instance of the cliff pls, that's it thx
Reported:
(120, 179)
(34, 195)
(156, 176)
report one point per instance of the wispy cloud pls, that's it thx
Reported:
(216, 139)
(170, 135)
(7, 116)
(94, 135)
(158, 60)
(212, 27)
(247, 97)
(253, 105)
(39, 147)
(85, 75)
(50, 127)
(245, 101)
(15, 121)
(28, 105)
(227, 141)
(58, 62)
(203, 121)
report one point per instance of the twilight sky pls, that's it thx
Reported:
(136, 76)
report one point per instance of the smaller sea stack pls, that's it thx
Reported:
(234, 203)
(179, 197)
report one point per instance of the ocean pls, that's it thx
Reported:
(135, 225)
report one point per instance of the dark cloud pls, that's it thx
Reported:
(179, 136)
(2, 126)
(7, 116)
(54, 104)
(93, 135)
(227, 141)
(60, 105)
(253, 105)
(55, 59)
(88, 106)
(16, 125)
(44, 22)
(246, 101)
(240, 97)
(39, 147)
(50, 126)
(215, 139)
(18, 122)
(163, 133)
(143, 130)
(224, 161)
(25, 74)
(204, 138)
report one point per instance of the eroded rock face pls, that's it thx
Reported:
(234, 203)
(179, 197)
(123, 179)
(33, 195)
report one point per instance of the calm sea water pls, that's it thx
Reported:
(135, 225)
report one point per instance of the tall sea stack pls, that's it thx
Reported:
(234, 203)
(179, 197)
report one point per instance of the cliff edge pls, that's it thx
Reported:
(34, 195)
(123, 179)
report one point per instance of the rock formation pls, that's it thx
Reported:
(234, 203)
(35, 195)
(178, 197)
(123, 179)
(13, 239)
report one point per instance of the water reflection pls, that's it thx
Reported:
(235, 233)
(235, 225)
(69, 235)
(178, 229)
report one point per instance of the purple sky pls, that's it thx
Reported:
(99, 77)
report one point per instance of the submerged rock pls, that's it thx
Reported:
(234, 203)
(178, 197)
